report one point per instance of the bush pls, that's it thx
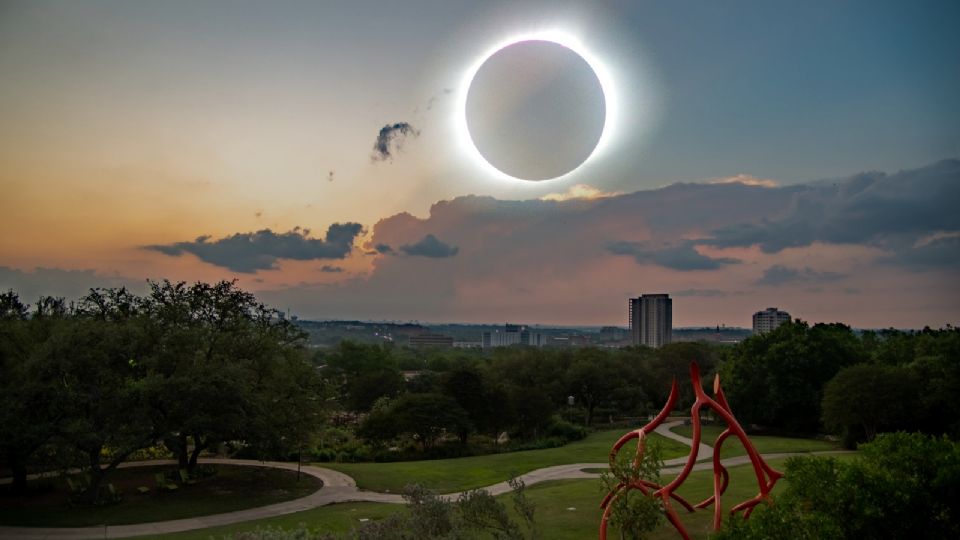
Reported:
(567, 431)
(903, 485)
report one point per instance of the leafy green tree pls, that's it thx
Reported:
(103, 384)
(777, 379)
(423, 416)
(902, 485)
(864, 399)
(633, 514)
(363, 374)
(29, 412)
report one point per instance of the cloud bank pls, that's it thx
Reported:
(260, 250)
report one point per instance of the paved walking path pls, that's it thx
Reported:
(338, 488)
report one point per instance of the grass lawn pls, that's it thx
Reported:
(765, 444)
(565, 509)
(451, 475)
(333, 518)
(232, 488)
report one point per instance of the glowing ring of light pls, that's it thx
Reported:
(564, 40)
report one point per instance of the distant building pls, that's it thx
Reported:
(650, 318)
(512, 334)
(431, 340)
(768, 319)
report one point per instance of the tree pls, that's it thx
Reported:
(423, 416)
(777, 379)
(864, 399)
(28, 409)
(902, 485)
(103, 385)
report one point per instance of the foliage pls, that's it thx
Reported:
(91, 384)
(864, 399)
(902, 485)
(777, 378)
(634, 514)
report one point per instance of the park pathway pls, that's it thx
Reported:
(339, 488)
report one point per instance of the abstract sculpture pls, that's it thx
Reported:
(766, 476)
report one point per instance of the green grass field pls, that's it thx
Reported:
(565, 509)
(451, 475)
(233, 488)
(764, 444)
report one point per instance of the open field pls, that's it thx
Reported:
(451, 475)
(553, 502)
(764, 444)
(232, 488)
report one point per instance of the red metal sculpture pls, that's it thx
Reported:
(766, 476)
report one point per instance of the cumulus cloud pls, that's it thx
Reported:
(430, 246)
(746, 180)
(683, 256)
(886, 211)
(383, 248)
(260, 250)
(331, 269)
(390, 140)
(579, 191)
(779, 275)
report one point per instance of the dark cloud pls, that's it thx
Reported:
(682, 256)
(887, 211)
(430, 246)
(779, 275)
(390, 140)
(249, 252)
(383, 248)
(941, 252)
(331, 269)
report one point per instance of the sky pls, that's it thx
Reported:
(802, 155)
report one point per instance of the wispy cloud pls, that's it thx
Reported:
(579, 191)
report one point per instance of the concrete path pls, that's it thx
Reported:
(339, 488)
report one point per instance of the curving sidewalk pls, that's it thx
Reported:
(339, 488)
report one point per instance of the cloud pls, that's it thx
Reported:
(941, 252)
(260, 250)
(331, 269)
(886, 211)
(683, 256)
(430, 246)
(383, 248)
(746, 180)
(579, 191)
(390, 140)
(779, 275)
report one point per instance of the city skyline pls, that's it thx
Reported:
(753, 156)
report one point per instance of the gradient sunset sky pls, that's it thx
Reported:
(802, 155)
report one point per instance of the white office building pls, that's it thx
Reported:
(768, 319)
(650, 318)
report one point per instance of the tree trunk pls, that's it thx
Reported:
(182, 456)
(198, 447)
(96, 477)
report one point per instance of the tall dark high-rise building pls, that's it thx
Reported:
(651, 320)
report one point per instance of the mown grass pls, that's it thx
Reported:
(452, 475)
(232, 488)
(565, 509)
(765, 444)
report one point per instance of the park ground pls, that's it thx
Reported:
(566, 508)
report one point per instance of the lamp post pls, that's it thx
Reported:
(570, 402)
